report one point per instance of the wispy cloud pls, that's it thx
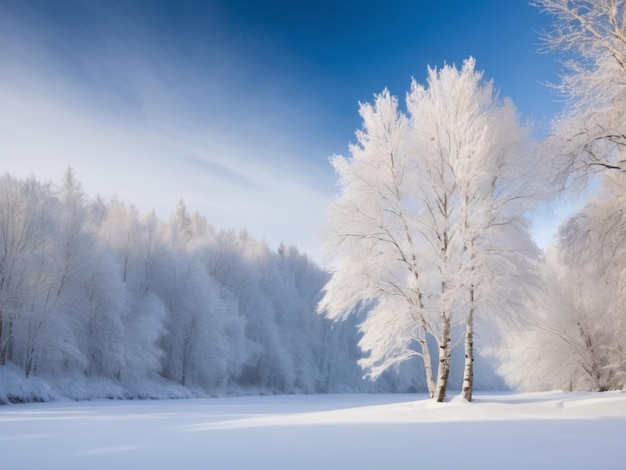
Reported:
(152, 132)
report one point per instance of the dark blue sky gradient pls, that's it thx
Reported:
(344, 53)
(329, 54)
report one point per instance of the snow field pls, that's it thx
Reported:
(499, 431)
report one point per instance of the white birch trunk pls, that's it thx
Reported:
(468, 371)
(426, 357)
(444, 360)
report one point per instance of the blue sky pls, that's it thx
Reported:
(236, 106)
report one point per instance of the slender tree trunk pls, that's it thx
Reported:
(6, 342)
(468, 369)
(426, 357)
(29, 362)
(444, 360)
(468, 373)
(3, 352)
(443, 370)
(592, 363)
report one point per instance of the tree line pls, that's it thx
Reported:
(93, 288)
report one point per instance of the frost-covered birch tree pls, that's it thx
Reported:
(421, 232)
(372, 232)
(575, 339)
(486, 176)
(591, 134)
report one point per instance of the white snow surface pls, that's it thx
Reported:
(498, 431)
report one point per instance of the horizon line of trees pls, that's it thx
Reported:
(94, 288)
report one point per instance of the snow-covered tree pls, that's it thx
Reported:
(371, 231)
(477, 164)
(429, 220)
(591, 135)
(575, 340)
(131, 243)
(27, 274)
(572, 340)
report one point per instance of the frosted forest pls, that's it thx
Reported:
(434, 283)
(101, 301)
(93, 289)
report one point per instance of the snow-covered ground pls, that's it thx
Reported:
(499, 431)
